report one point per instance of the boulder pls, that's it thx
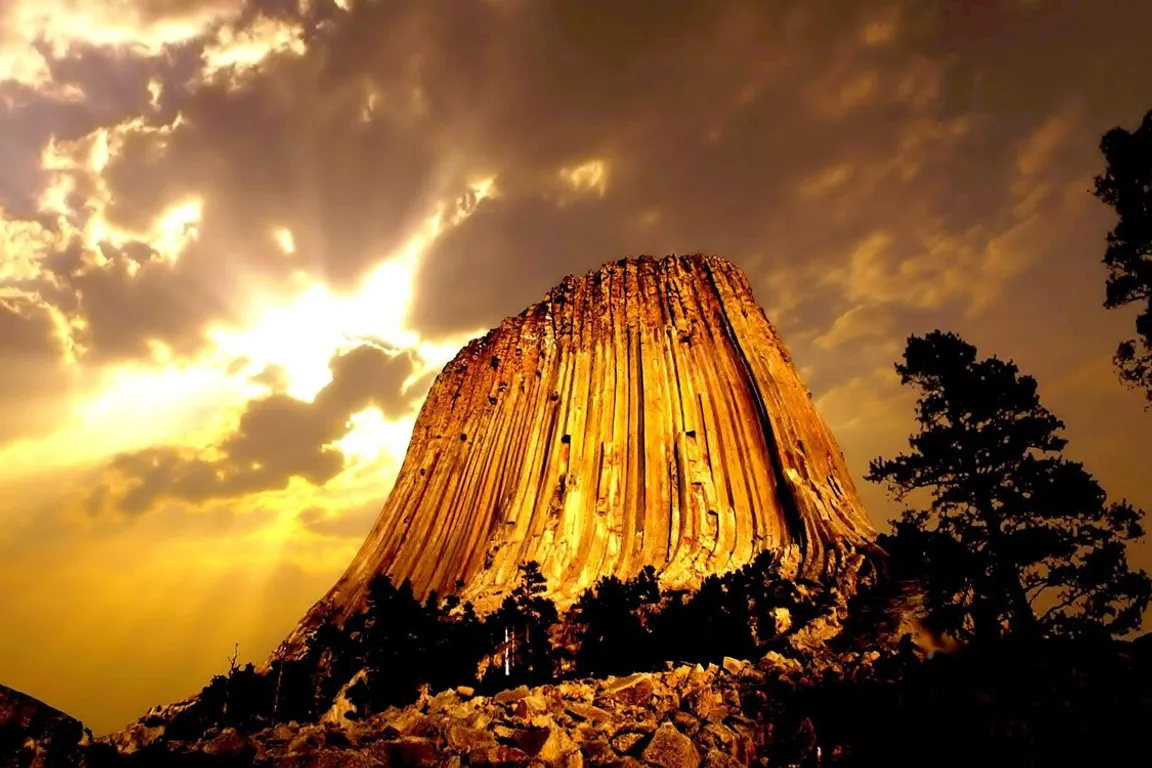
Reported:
(717, 759)
(634, 689)
(499, 755)
(671, 749)
(588, 712)
(411, 752)
(733, 666)
(229, 744)
(464, 740)
(511, 695)
(625, 742)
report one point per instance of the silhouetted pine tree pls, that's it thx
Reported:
(520, 626)
(615, 640)
(397, 635)
(1126, 185)
(460, 645)
(1013, 534)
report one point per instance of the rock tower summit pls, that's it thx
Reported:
(645, 413)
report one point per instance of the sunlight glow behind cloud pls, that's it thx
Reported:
(285, 240)
(135, 407)
(170, 234)
(62, 24)
(301, 335)
(240, 51)
(370, 435)
(590, 176)
(138, 405)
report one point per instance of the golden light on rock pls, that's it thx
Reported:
(643, 414)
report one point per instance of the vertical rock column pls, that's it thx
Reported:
(646, 413)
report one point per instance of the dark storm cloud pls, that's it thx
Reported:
(707, 120)
(703, 150)
(398, 105)
(711, 120)
(277, 438)
(710, 131)
(862, 161)
(93, 87)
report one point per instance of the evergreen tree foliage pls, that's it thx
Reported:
(1014, 535)
(398, 647)
(615, 640)
(1126, 185)
(520, 629)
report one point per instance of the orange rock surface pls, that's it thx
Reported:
(646, 413)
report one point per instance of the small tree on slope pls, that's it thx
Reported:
(1013, 536)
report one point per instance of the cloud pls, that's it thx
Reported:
(35, 33)
(348, 129)
(861, 322)
(276, 437)
(37, 377)
(199, 166)
(351, 523)
(679, 180)
(871, 415)
(259, 150)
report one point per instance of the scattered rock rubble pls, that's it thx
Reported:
(689, 716)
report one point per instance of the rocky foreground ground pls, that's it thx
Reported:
(687, 716)
(1049, 704)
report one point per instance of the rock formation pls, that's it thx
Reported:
(646, 413)
(33, 733)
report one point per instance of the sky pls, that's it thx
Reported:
(238, 240)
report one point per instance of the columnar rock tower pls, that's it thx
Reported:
(645, 413)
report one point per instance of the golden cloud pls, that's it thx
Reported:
(238, 51)
(590, 176)
(276, 438)
(860, 322)
(32, 32)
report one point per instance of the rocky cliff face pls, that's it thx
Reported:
(646, 413)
